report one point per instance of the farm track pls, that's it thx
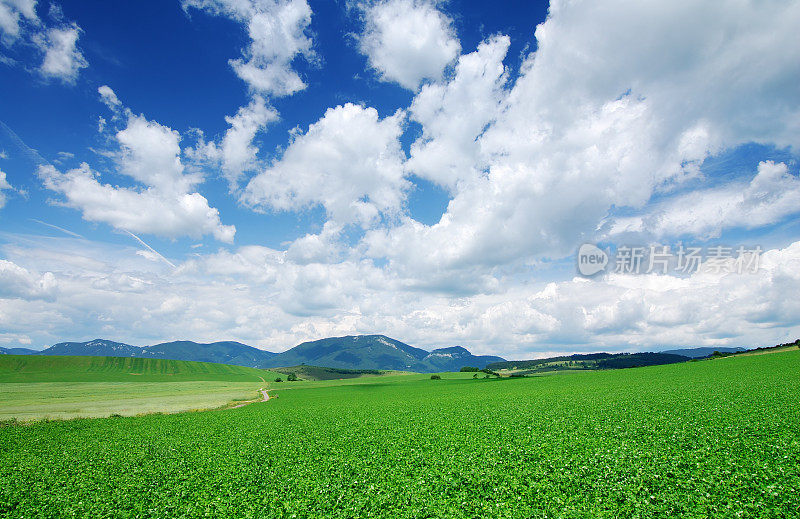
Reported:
(264, 399)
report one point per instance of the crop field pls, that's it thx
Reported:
(321, 373)
(48, 400)
(716, 438)
(34, 387)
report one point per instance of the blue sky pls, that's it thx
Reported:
(273, 171)
(187, 51)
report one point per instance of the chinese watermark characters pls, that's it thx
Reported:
(663, 259)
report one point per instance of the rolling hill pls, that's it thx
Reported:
(306, 372)
(699, 353)
(95, 348)
(17, 351)
(56, 368)
(223, 352)
(591, 361)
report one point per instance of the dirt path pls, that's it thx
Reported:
(265, 398)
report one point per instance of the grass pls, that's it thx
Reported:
(305, 372)
(702, 439)
(768, 351)
(35, 387)
(44, 387)
(43, 368)
(64, 400)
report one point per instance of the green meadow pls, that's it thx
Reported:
(41, 368)
(35, 387)
(64, 400)
(716, 438)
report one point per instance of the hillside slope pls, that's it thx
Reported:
(225, 352)
(95, 348)
(42, 368)
(455, 358)
(17, 351)
(699, 353)
(306, 372)
(591, 361)
(355, 352)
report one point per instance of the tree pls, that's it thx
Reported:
(279, 379)
(436, 377)
(292, 377)
(468, 369)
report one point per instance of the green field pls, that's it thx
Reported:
(34, 387)
(48, 400)
(41, 368)
(718, 438)
(305, 372)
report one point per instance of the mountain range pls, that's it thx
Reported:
(350, 352)
(378, 352)
(698, 353)
(226, 352)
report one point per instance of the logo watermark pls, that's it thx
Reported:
(591, 259)
(662, 259)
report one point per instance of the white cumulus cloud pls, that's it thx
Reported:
(164, 200)
(408, 41)
(454, 114)
(771, 195)
(62, 58)
(596, 120)
(349, 162)
(236, 153)
(150, 154)
(19, 282)
(14, 13)
(278, 34)
(139, 210)
(58, 44)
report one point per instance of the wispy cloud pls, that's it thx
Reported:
(29, 152)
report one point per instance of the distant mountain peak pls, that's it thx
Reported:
(452, 352)
(97, 343)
